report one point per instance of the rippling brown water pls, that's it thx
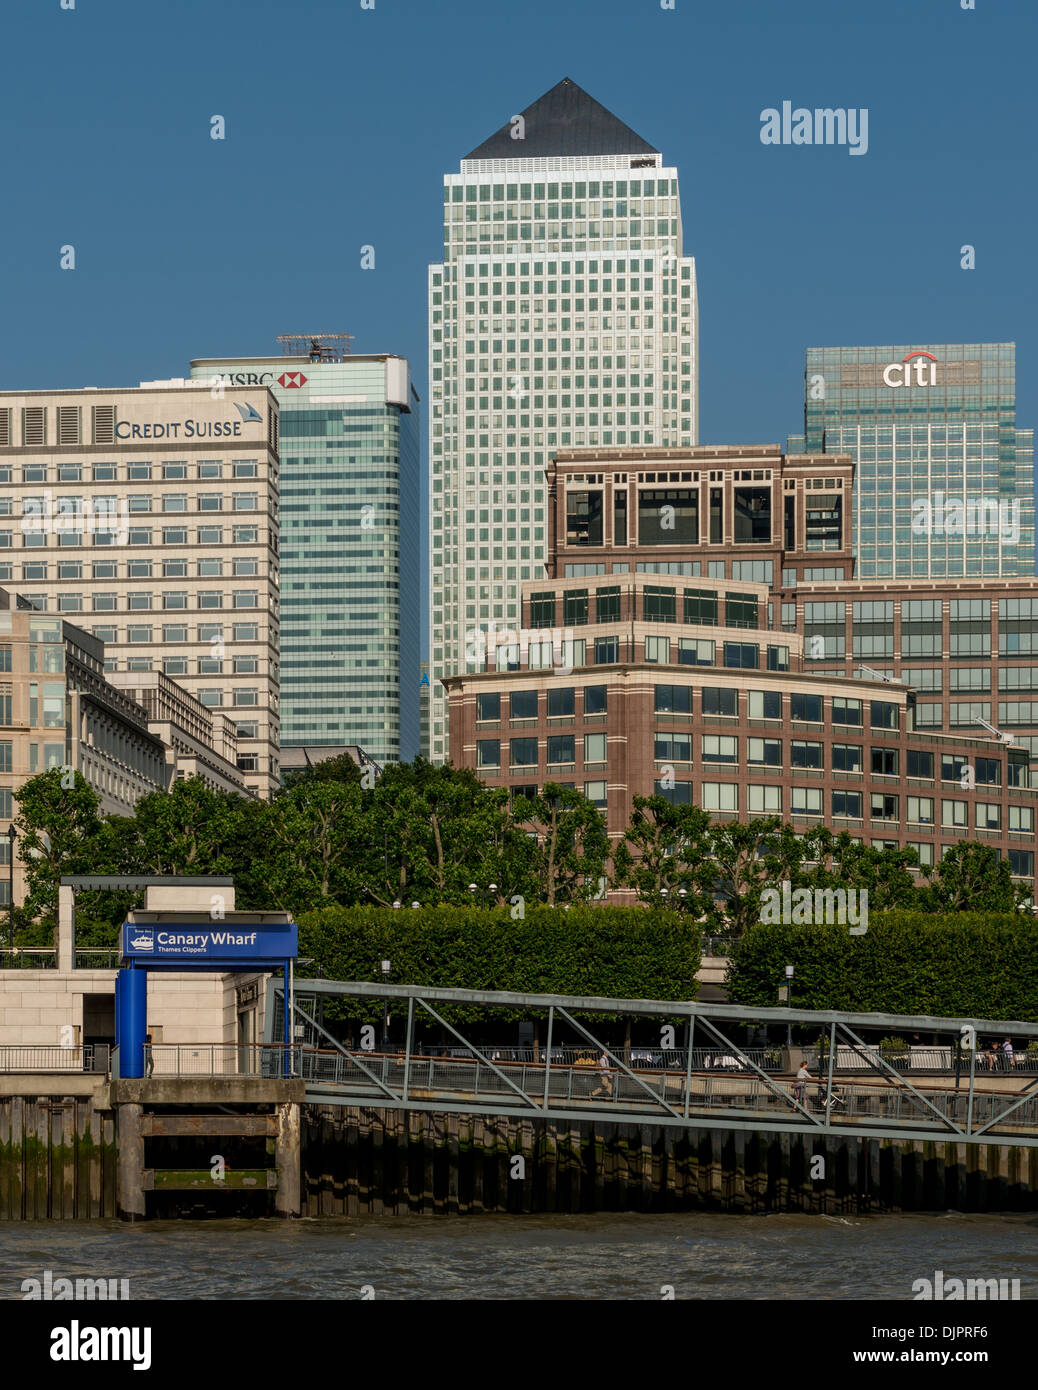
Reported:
(508, 1257)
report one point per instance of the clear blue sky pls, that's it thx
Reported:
(341, 122)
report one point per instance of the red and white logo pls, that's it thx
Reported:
(901, 373)
(289, 379)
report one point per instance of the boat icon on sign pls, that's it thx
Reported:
(143, 942)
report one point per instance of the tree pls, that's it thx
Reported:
(572, 842)
(973, 877)
(746, 862)
(671, 847)
(340, 769)
(60, 832)
(315, 834)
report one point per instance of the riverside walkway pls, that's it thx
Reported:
(964, 1102)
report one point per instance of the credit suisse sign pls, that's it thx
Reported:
(209, 941)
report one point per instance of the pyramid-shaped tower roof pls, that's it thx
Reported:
(564, 122)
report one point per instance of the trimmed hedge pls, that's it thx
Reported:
(963, 964)
(616, 952)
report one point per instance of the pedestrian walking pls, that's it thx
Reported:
(149, 1058)
(800, 1089)
(605, 1073)
(1007, 1054)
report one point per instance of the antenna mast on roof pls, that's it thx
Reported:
(319, 347)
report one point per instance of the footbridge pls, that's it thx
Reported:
(699, 1076)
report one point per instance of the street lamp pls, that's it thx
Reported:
(12, 835)
(386, 967)
(789, 1004)
(485, 894)
(415, 904)
(398, 903)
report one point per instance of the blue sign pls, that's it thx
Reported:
(215, 941)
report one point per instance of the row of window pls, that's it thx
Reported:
(132, 472)
(179, 632)
(110, 603)
(658, 604)
(135, 569)
(119, 534)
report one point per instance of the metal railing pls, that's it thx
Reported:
(28, 958)
(220, 1059)
(32, 1057)
(923, 1060)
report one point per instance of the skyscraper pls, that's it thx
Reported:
(564, 314)
(944, 480)
(349, 545)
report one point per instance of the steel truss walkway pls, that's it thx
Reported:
(884, 1104)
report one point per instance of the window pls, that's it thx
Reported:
(953, 814)
(924, 849)
(574, 607)
(248, 728)
(210, 632)
(740, 610)
(918, 764)
(243, 535)
(210, 535)
(246, 598)
(988, 815)
(139, 601)
(138, 634)
(806, 708)
(1021, 820)
(673, 699)
(848, 712)
(764, 751)
(764, 704)
(246, 632)
(673, 748)
(210, 569)
(523, 752)
(523, 704)
(607, 604)
(695, 651)
(659, 605)
(720, 796)
(607, 650)
(560, 702)
(175, 665)
(246, 695)
(210, 698)
(742, 654)
(174, 470)
(718, 700)
(595, 748)
(174, 535)
(764, 801)
(805, 801)
(720, 748)
(883, 715)
(488, 705)
(847, 804)
(594, 699)
(873, 628)
(210, 598)
(173, 569)
(803, 754)
(106, 603)
(560, 748)
(174, 502)
(678, 793)
(988, 772)
(1017, 626)
(884, 761)
(244, 501)
(595, 792)
(778, 658)
(701, 607)
(139, 502)
(245, 567)
(920, 810)
(657, 650)
(174, 632)
(246, 666)
(139, 535)
(488, 752)
(210, 470)
(668, 516)
(244, 468)
(1021, 863)
(921, 627)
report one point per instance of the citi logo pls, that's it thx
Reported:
(901, 373)
(290, 379)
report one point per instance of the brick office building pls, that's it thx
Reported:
(655, 658)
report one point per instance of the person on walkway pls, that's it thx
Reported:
(1007, 1054)
(149, 1057)
(992, 1056)
(800, 1089)
(605, 1072)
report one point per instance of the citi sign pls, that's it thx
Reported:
(917, 369)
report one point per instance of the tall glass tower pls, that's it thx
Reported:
(349, 548)
(564, 314)
(944, 480)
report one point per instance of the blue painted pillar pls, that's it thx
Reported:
(134, 998)
(119, 1011)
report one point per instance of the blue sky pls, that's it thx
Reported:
(341, 122)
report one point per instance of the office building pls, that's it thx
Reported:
(149, 517)
(662, 640)
(350, 543)
(563, 314)
(944, 479)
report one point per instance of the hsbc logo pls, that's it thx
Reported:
(290, 379)
(917, 369)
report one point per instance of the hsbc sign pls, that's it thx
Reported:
(286, 379)
(917, 369)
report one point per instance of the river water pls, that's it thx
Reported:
(701, 1256)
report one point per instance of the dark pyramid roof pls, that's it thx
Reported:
(565, 121)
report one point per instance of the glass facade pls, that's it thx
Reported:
(563, 314)
(350, 549)
(944, 480)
